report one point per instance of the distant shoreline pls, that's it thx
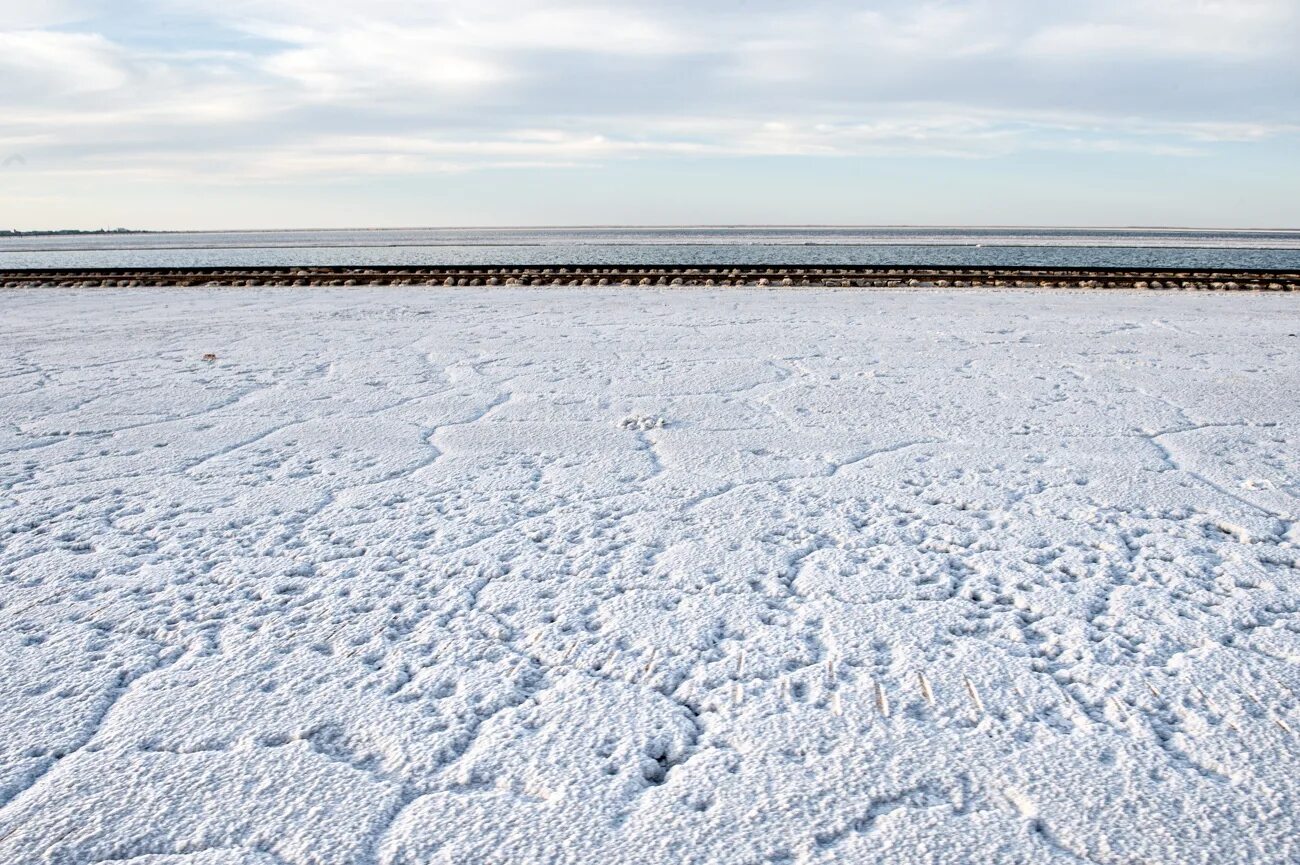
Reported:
(73, 232)
(972, 229)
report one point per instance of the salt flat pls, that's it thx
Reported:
(643, 576)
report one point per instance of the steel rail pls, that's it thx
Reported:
(939, 276)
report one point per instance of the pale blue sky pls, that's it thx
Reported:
(290, 113)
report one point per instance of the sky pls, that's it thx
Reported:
(188, 114)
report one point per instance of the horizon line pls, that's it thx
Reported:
(678, 227)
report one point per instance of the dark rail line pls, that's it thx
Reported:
(631, 275)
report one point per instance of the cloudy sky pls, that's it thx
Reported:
(298, 113)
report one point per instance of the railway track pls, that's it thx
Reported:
(630, 275)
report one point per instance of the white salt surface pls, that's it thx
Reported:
(584, 576)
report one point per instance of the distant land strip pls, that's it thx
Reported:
(873, 276)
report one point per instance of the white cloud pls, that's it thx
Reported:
(26, 15)
(381, 61)
(54, 64)
(1223, 30)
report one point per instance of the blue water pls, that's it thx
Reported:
(1181, 248)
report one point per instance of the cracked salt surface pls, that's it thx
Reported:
(409, 576)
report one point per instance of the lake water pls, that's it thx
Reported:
(1009, 247)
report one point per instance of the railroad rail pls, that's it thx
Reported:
(638, 275)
